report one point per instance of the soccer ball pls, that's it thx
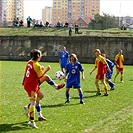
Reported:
(59, 75)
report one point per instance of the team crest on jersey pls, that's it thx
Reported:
(73, 71)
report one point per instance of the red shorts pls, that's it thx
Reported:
(119, 69)
(32, 93)
(100, 76)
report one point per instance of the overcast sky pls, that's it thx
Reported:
(33, 8)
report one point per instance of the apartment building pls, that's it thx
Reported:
(47, 14)
(0, 13)
(10, 10)
(72, 10)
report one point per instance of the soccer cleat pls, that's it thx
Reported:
(32, 124)
(67, 101)
(82, 102)
(60, 86)
(112, 88)
(42, 118)
(122, 81)
(26, 110)
(105, 94)
(98, 93)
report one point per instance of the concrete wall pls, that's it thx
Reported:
(18, 48)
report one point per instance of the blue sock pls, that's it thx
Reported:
(38, 108)
(111, 84)
(51, 82)
(67, 96)
(81, 96)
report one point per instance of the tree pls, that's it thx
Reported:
(104, 21)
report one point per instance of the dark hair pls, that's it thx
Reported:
(35, 53)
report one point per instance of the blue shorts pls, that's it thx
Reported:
(63, 65)
(108, 75)
(73, 85)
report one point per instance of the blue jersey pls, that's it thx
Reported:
(64, 55)
(73, 71)
(111, 65)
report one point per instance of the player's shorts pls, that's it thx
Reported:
(73, 85)
(63, 65)
(32, 93)
(119, 69)
(108, 75)
(100, 76)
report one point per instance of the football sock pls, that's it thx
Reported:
(121, 77)
(52, 83)
(111, 84)
(32, 112)
(81, 96)
(67, 96)
(39, 110)
(38, 107)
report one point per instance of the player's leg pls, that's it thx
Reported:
(38, 106)
(108, 80)
(121, 79)
(97, 87)
(81, 96)
(117, 72)
(105, 87)
(67, 95)
(50, 82)
(32, 109)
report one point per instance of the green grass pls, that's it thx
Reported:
(63, 32)
(112, 114)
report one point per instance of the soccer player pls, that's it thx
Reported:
(72, 77)
(100, 64)
(119, 60)
(109, 74)
(33, 73)
(64, 57)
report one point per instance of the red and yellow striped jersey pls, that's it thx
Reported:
(119, 59)
(100, 63)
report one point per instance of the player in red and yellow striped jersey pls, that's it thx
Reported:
(100, 64)
(119, 60)
(34, 73)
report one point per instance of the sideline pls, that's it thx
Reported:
(119, 116)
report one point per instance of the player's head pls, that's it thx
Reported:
(35, 54)
(97, 52)
(104, 55)
(120, 51)
(64, 48)
(73, 57)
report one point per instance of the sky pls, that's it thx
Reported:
(33, 8)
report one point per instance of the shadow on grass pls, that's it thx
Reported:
(58, 105)
(13, 127)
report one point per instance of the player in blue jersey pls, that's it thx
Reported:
(72, 77)
(109, 74)
(64, 57)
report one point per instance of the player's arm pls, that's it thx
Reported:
(93, 70)
(116, 58)
(108, 68)
(83, 76)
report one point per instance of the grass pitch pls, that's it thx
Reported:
(112, 114)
